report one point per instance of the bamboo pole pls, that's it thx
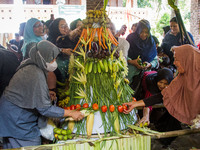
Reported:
(175, 133)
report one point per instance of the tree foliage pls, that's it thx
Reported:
(164, 21)
(143, 3)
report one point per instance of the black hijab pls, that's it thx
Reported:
(145, 48)
(152, 79)
(54, 31)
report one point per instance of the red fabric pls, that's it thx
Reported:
(198, 45)
(147, 93)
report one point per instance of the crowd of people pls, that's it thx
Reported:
(32, 68)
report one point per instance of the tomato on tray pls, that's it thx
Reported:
(104, 108)
(85, 105)
(67, 108)
(78, 107)
(125, 107)
(112, 108)
(72, 107)
(95, 106)
(120, 108)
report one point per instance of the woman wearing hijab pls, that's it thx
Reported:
(75, 24)
(173, 38)
(181, 97)
(27, 97)
(33, 33)
(57, 28)
(141, 45)
(59, 34)
(153, 83)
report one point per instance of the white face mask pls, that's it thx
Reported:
(52, 66)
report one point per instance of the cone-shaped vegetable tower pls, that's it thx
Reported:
(97, 75)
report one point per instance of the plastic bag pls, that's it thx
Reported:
(47, 131)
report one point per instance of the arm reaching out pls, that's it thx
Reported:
(132, 105)
(76, 115)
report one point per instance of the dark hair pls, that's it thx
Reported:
(166, 61)
(166, 29)
(48, 22)
(159, 50)
(135, 24)
(165, 73)
(174, 20)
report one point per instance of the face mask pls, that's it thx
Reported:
(52, 66)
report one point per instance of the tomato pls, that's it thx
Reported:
(85, 105)
(104, 108)
(120, 108)
(124, 107)
(72, 107)
(95, 106)
(112, 108)
(134, 99)
(67, 108)
(78, 107)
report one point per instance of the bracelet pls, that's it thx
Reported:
(54, 89)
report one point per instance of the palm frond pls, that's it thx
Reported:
(81, 78)
(81, 94)
(82, 52)
(79, 65)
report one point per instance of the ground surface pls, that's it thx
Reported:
(185, 142)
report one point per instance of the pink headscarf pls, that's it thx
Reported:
(182, 96)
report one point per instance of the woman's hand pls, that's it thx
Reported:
(132, 105)
(67, 51)
(145, 118)
(75, 33)
(122, 31)
(143, 121)
(76, 115)
(148, 65)
(52, 95)
(135, 63)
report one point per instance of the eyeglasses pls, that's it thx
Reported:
(38, 25)
(63, 26)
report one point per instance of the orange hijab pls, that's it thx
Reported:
(182, 96)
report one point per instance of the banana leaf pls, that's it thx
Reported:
(105, 4)
(185, 38)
